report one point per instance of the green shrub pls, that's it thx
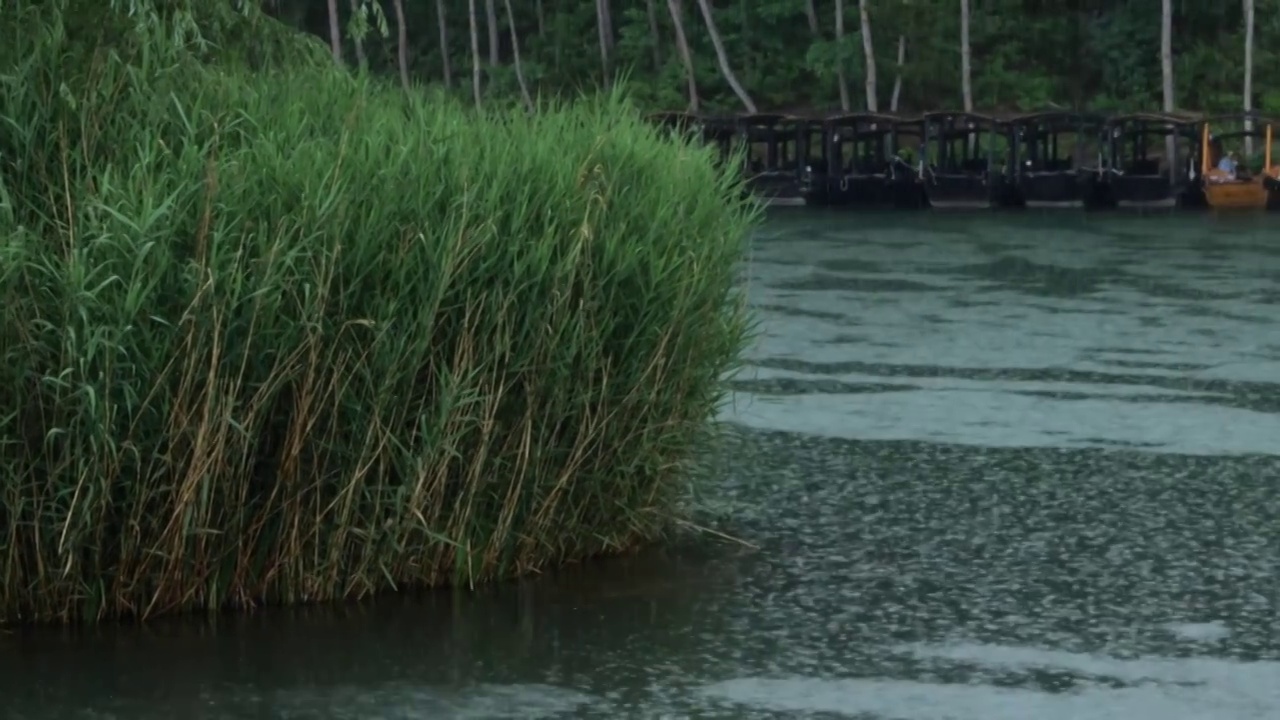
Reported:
(291, 336)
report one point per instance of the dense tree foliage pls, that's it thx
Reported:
(1102, 54)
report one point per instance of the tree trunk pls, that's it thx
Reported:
(1166, 52)
(602, 29)
(515, 57)
(682, 47)
(841, 80)
(811, 12)
(402, 44)
(475, 50)
(655, 35)
(897, 81)
(441, 20)
(868, 50)
(542, 18)
(335, 32)
(491, 16)
(357, 8)
(1166, 70)
(966, 59)
(1248, 74)
(723, 58)
(607, 7)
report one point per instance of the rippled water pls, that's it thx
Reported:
(992, 467)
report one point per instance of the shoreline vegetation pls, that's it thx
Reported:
(730, 56)
(273, 333)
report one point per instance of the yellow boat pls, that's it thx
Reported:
(1227, 191)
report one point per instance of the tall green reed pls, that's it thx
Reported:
(291, 336)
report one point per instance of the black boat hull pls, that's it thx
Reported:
(962, 192)
(865, 191)
(778, 188)
(1056, 190)
(1142, 191)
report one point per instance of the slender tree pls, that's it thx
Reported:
(1166, 53)
(442, 22)
(897, 80)
(811, 12)
(603, 30)
(869, 52)
(722, 58)
(335, 32)
(841, 80)
(402, 43)
(676, 8)
(1248, 74)
(475, 50)
(1166, 71)
(491, 17)
(515, 57)
(966, 59)
(357, 15)
(655, 35)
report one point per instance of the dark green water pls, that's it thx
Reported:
(997, 468)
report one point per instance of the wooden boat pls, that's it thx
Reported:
(869, 162)
(1242, 190)
(774, 159)
(961, 168)
(1139, 171)
(722, 133)
(1054, 159)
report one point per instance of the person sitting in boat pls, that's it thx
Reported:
(1228, 164)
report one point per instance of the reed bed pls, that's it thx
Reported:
(291, 336)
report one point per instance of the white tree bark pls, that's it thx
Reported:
(841, 80)
(491, 16)
(966, 56)
(515, 57)
(686, 56)
(722, 58)
(811, 12)
(1248, 73)
(1166, 71)
(897, 81)
(475, 50)
(442, 21)
(868, 51)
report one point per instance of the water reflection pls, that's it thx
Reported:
(1013, 467)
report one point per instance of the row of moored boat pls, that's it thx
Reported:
(969, 160)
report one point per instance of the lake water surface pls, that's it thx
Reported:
(991, 467)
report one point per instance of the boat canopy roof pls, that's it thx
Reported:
(960, 116)
(769, 119)
(1155, 118)
(1064, 116)
(1061, 118)
(871, 117)
(1258, 119)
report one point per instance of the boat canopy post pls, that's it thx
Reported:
(991, 145)
(1204, 150)
(1267, 167)
(771, 159)
(835, 150)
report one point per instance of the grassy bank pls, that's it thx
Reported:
(288, 335)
